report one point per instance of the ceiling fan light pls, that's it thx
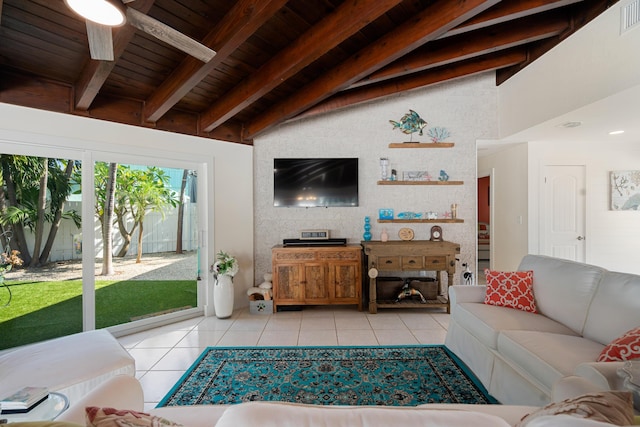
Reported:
(104, 12)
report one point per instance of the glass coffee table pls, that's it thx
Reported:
(48, 410)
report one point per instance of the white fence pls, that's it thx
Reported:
(160, 234)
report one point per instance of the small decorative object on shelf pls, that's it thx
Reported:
(409, 215)
(436, 233)
(394, 175)
(416, 176)
(384, 236)
(410, 123)
(384, 164)
(454, 210)
(367, 229)
(443, 176)
(385, 213)
(406, 234)
(438, 134)
(431, 215)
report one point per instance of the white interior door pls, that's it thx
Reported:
(563, 212)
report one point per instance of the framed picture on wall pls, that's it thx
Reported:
(625, 190)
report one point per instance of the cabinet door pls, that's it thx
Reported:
(288, 284)
(315, 285)
(345, 279)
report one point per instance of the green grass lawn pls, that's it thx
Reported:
(43, 310)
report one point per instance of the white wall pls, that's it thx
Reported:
(595, 62)
(228, 170)
(585, 73)
(466, 107)
(509, 187)
(612, 237)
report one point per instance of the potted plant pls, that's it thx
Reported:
(225, 267)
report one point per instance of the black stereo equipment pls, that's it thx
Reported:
(325, 242)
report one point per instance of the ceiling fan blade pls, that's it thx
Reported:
(100, 41)
(169, 35)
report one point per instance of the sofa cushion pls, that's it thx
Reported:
(271, 414)
(486, 321)
(618, 293)
(513, 289)
(563, 289)
(72, 365)
(626, 347)
(545, 357)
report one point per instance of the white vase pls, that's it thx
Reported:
(223, 296)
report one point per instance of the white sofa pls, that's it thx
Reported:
(519, 356)
(72, 365)
(124, 392)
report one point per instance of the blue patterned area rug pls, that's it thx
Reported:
(391, 376)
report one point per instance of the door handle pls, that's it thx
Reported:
(581, 238)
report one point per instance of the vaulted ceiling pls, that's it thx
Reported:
(275, 61)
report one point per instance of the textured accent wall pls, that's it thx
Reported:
(466, 107)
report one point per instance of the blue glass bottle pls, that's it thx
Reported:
(367, 229)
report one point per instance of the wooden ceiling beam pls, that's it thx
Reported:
(242, 20)
(507, 11)
(95, 73)
(480, 42)
(432, 22)
(493, 61)
(19, 88)
(350, 17)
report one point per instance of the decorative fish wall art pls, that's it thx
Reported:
(410, 123)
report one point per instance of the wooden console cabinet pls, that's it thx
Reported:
(317, 275)
(403, 258)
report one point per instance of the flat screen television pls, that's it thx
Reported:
(315, 182)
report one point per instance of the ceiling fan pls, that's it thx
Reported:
(101, 15)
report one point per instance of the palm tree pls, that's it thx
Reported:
(183, 187)
(150, 194)
(33, 194)
(107, 221)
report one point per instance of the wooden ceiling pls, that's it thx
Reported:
(276, 60)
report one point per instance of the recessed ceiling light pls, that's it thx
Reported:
(570, 125)
(616, 132)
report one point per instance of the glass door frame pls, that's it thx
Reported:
(20, 143)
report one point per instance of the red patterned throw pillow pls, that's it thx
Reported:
(626, 347)
(513, 289)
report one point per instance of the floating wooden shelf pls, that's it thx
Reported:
(421, 145)
(420, 182)
(414, 221)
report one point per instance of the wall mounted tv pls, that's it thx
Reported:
(315, 182)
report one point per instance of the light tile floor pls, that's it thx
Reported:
(163, 354)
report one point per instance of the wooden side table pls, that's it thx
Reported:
(406, 257)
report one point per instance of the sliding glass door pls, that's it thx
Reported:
(146, 250)
(41, 264)
(93, 241)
